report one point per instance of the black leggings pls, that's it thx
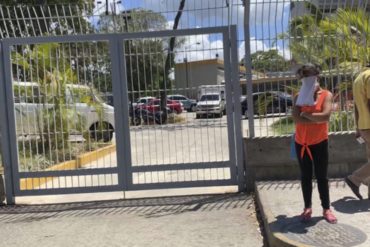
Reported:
(320, 164)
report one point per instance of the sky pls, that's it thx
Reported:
(268, 18)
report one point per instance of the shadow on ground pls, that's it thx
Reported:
(149, 207)
(351, 205)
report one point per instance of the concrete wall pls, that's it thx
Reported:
(207, 72)
(269, 158)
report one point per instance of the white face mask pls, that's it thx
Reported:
(307, 91)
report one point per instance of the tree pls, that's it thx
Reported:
(144, 57)
(37, 17)
(44, 64)
(268, 61)
(170, 58)
(338, 40)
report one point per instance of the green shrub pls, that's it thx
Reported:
(339, 121)
(342, 121)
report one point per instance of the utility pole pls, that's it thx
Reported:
(186, 72)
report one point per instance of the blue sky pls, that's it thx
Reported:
(267, 20)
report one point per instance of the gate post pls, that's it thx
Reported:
(121, 112)
(5, 142)
(237, 108)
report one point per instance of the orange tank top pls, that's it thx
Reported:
(312, 133)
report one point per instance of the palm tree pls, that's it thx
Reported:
(42, 63)
(336, 41)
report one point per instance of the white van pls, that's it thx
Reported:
(210, 104)
(97, 117)
(212, 89)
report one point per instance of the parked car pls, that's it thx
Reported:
(143, 101)
(189, 104)
(211, 103)
(155, 104)
(31, 105)
(268, 102)
(139, 115)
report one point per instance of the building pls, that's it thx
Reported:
(196, 73)
(189, 76)
(300, 7)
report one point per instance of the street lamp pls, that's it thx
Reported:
(107, 6)
(186, 72)
(186, 63)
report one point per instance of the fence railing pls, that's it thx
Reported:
(282, 34)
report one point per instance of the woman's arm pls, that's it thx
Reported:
(323, 116)
(297, 114)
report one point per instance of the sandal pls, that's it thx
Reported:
(306, 215)
(329, 216)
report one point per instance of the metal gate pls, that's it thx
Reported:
(59, 137)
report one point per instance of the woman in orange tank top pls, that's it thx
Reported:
(311, 139)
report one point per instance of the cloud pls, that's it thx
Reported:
(258, 45)
(264, 12)
(215, 12)
(267, 19)
(199, 47)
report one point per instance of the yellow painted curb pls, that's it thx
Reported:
(83, 159)
(89, 157)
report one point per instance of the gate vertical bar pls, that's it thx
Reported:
(125, 113)
(119, 84)
(8, 138)
(237, 107)
(248, 68)
(229, 106)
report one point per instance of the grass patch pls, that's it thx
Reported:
(34, 158)
(284, 126)
(175, 118)
(339, 121)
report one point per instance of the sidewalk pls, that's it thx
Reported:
(208, 220)
(281, 202)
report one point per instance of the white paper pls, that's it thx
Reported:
(306, 93)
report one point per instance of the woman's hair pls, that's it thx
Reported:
(307, 70)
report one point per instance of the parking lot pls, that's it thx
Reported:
(192, 140)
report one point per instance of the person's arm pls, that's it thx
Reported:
(323, 116)
(357, 134)
(368, 93)
(297, 114)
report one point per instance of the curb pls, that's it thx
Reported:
(275, 239)
(80, 161)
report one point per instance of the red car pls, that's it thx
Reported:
(154, 105)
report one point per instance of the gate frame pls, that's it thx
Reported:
(119, 83)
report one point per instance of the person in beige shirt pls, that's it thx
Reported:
(361, 95)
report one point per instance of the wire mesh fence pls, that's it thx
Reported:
(283, 33)
(59, 113)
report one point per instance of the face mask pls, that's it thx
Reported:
(306, 93)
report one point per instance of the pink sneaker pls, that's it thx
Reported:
(329, 216)
(306, 215)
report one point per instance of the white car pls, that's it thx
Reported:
(211, 103)
(97, 117)
(143, 101)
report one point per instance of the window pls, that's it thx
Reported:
(27, 94)
(209, 97)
